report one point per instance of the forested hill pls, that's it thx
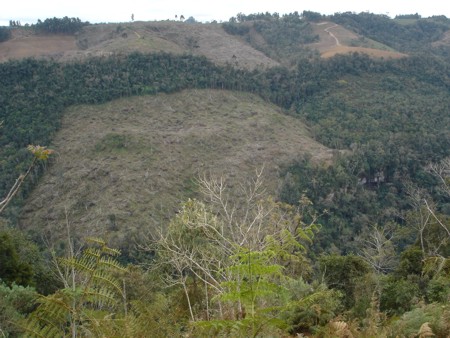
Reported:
(390, 116)
(349, 113)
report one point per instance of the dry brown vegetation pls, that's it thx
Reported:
(27, 44)
(209, 40)
(124, 166)
(374, 53)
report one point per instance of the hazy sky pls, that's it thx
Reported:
(28, 11)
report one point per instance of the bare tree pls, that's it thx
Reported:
(419, 217)
(442, 172)
(378, 249)
(204, 236)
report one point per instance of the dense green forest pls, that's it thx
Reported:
(358, 247)
(5, 33)
(284, 36)
(416, 35)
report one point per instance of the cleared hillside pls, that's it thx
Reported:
(335, 39)
(208, 40)
(125, 166)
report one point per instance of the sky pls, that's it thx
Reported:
(96, 11)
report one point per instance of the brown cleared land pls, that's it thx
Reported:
(124, 167)
(24, 45)
(208, 40)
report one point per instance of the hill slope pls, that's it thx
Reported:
(209, 40)
(124, 166)
(335, 39)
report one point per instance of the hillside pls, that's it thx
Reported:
(335, 39)
(248, 41)
(125, 166)
(348, 115)
(209, 40)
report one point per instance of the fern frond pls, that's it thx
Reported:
(100, 277)
(55, 306)
(96, 240)
(111, 251)
(92, 253)
(34, 328)
(111, 262)
(103, 247)
(100, 296)
(77, 264)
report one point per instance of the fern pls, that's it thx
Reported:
(76, 309)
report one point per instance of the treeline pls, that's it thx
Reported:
(415, 36)
(348, 101)
(34, 93)
(5, 33)
(55, 25)
(285, 35)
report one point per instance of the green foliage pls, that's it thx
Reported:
(40, 153)
(390, 117)
(414, 36)
(435, 266)
(12, 268)
(398, 295)
(392, 113)
(233, 28)
(64, 25)
(312, 16)
(344, 273)
(283, 35)
(90, 293)
(233, 262)
(437, 315)
(256, 290)
(411, 262)
(29, 257)
(254, 276)
(311, 307)
(15, 302)
(438, 290)
(142, 320)
(5, 34)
